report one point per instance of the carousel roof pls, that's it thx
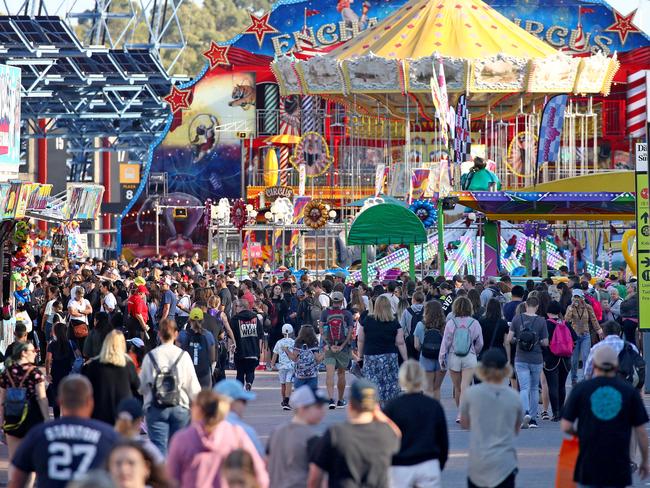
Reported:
(466, 29)
(481, 51)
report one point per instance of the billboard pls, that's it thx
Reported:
(201, 162)
(9, 118)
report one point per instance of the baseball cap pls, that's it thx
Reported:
(139, 280)
(340, 274)
(196, 314)
(142, 289)
(578, 293)
(234, 390)
(137, 342)
(306, 396)
(364, 393)
(337, 296)
(300, 293)
(287, 329)
(130, 409)
(605, 358)
(494, 358)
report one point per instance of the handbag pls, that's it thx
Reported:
(78, 359)
(79, 329)
(566, 463)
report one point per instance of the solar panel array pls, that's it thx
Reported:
(88, 92)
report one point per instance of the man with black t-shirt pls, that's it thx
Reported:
(66, 448)
(248, 331)
(608, 410)
(359, 451)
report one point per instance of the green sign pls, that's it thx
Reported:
(643, 235)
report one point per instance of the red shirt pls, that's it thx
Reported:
(136, 305)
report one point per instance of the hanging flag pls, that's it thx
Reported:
(302, 179)
(380, 177)
(462, 136)
(440, 100)
(586, 10)
(311, 12)
(419, 183)
(550, 130)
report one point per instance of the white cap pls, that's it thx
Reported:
(287, 329)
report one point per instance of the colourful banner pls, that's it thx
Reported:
(9, 117)
(419, 183)
(550, 130)
(462, 136)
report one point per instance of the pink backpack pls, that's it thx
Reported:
(561, 343)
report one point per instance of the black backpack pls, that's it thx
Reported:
(165, 388)
(416, 317)
(527, 337)
(431, 344)
(631, 366)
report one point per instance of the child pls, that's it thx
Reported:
(306, 355)
(285, 365)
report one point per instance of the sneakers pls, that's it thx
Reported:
(526, 423)
(248, 386)
(285, 404)
(340, 404)
(545, 415)
(532, 424)
(332, 404)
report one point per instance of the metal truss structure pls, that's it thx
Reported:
(108, 84)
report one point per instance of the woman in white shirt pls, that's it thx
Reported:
(108, 301)
(79, 309)
(183, 306)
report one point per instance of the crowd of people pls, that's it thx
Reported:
(132, 360)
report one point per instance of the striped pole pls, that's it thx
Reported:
(637, 101)
(308, 119)
(284, 165)
(271, 102)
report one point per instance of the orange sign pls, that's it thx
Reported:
(129, 173)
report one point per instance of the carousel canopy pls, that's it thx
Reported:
(387, 223)
(482, 52)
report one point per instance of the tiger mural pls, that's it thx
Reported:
(243, 96)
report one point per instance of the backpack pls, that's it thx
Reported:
(198, 348)
(306, 366)
(499, 296)
(461, 340)
(527, 338)
(431, 344)
(631, 366)
(562, 342)
(16, 405)
(335, 327)
(165, 388)
(416, 317)
(595, 304)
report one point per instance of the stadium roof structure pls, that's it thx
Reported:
(84, 92)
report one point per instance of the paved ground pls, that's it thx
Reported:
(537, 449)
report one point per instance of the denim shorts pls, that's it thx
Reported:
(429, 365)
(312, 382)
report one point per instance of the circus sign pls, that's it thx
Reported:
(278, 191)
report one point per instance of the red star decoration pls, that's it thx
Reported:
(623, 25)
(217, 55)
(260, 27)
(178, 99)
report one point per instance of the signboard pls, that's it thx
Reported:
(129, 173)
(83, 201)
(59, 246)
(643, 234)
(127, 192)
(9, 118)
(273, 192)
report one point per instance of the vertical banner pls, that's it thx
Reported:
(419, 183)
(9, 118)
(643, 234)
(380, 176)
(302, 179)
(298, 207)
(550, 130)
(462, 139)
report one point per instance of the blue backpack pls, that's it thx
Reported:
(462, 339)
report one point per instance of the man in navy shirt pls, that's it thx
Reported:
(68, 447)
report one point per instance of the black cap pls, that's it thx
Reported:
(494, 358)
